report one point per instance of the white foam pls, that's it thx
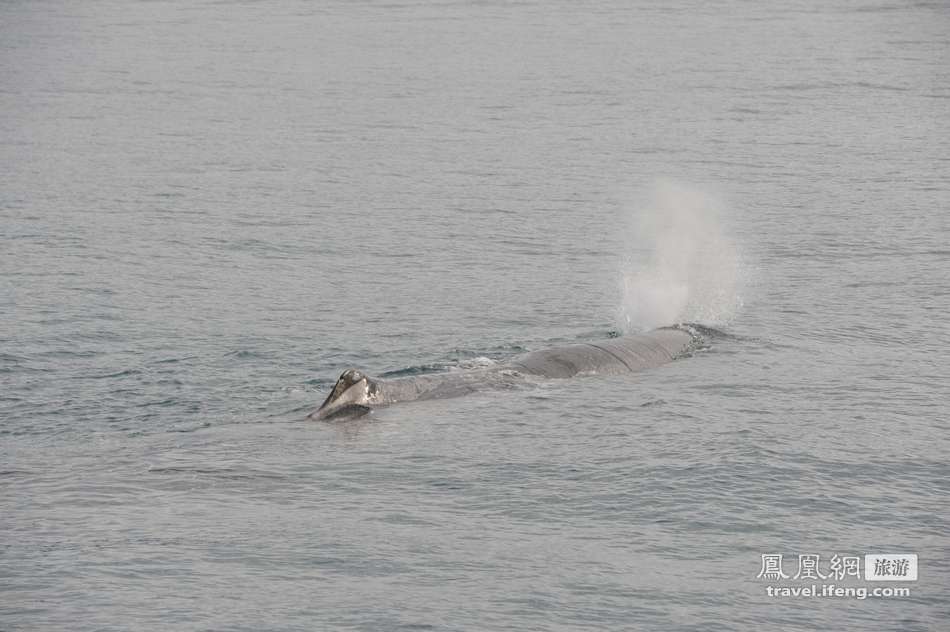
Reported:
(479, 362)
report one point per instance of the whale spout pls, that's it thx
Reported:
(349, 399)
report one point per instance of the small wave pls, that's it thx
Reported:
(837, 85)
(161, 403)
(293, 412)
(228, 473)
(189, 429)
(125, 373)
(708, 332)
(66, 354)
(174, 360)
(420, 369)
(247, 354)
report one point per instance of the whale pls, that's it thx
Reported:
(356, 394)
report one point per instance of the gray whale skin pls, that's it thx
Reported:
(356, 394)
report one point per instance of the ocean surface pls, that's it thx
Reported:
(208, 210)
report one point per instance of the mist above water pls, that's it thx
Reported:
(679, 263)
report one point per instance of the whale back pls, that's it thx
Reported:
(355, 394)
(568, 361)
(645, 351)
(613, 356)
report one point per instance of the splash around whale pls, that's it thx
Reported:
(356, 394)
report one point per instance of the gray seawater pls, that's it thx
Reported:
(209, 209)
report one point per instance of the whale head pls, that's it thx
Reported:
(349, 399)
